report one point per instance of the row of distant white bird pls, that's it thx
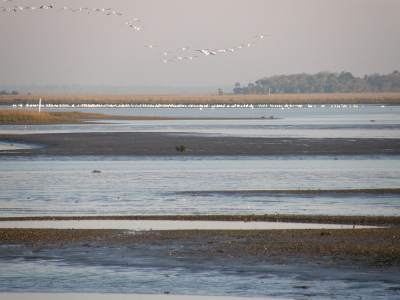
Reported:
(169, 105)
(107, 11)
(17, 8)
(88, 9)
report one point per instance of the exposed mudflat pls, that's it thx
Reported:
(355, 246)
(164, 144)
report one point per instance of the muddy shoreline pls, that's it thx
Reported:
(350, 246)
(361, 247)
(164, 144)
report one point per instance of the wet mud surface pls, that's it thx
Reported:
(361, 246)
(164, 144)
(322, 219)
(367, 247)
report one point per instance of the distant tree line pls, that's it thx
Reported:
(323, 82)
(7, 93)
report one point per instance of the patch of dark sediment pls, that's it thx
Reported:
(372, 246)
(164, 144)
(320, 219)
(394, 191)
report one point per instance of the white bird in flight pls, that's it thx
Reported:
(64, 8)
(101, 9)
(204, 51)
(262, 36)
(9, 9)
(248, 44)
(137, 27)
(80, 9)
(114, 13)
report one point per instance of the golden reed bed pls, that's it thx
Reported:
(348, 98)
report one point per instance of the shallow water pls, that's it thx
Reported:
(134, 269)
(156, 185)
(148, 225)
(97, 296)
(364, 121)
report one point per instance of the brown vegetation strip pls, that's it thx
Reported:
(334, 98)
(338, 191)
(321, 219)
(372, 246)
(25, 117)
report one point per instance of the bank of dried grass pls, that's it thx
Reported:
(28, 116)
(350, 98)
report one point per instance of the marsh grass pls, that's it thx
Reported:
(29, 117)
(362, 98)
(23, 116)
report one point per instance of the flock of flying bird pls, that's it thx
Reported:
(167, 56)
(206, 51)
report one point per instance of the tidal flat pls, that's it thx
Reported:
(346, 177)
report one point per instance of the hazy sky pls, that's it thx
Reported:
(48, 46)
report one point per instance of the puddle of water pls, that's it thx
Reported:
(146, 225)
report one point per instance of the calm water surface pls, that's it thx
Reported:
(364, 121)
(155, 185)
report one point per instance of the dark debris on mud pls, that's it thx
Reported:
(375, 246)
